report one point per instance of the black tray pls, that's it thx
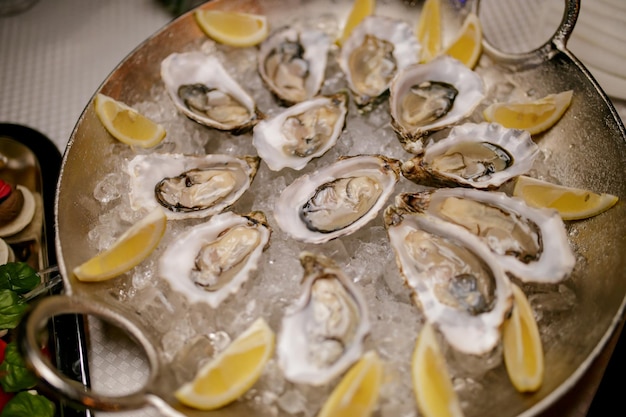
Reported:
(67, 341)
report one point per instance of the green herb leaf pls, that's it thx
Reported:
(19, 277)
(28, 404)
(12, 307)
(14, 376)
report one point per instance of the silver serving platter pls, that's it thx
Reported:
(585, 149)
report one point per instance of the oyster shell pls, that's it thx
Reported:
(292, 63)
(530, 243)
(456, 281)
(188, 186)
(203, 90)
(301, 132)
(375, 50)
(427, 97)
(338, 199)
(323, 333)
(483, 155)
(212, 260)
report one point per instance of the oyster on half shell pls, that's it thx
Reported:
(188, 186)
(483, 155)
(456, 281)
(212, 260)
(301, 132)
(530, 243)
(338, 199)
(204, 91)
(323, 333)
(374, 52)
(292, 63)
(427, 97)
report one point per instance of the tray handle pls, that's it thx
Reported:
(29, 333)
(555, 44)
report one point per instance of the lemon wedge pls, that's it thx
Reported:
(534, 116)
(232, 372)
(356, 394)
(233, 28)
(523, 353)
(428, 29)
(130, 249)
(360, 10)
(467, 46)
(571, 203)
(126, 124)
(432, 385)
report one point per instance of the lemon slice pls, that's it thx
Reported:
(428, 29)
(360, 10)
(357, 393)
(233, 28)
(232, 372)
(431, 382)
(467, 46)
(534, 116)
(571, 203)
(127, 125)
(523, 353)
(127, 251)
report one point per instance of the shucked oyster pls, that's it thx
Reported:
(338, 199)
(212, 260)
(301, 132)
(427, 97)
(483, 155)
(456, 281)
(375, 50)
(530, 243)
(189, 186)
(323, 334)
(203, 90)
(292, 63)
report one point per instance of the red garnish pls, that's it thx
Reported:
(5, 189)
(5, 397)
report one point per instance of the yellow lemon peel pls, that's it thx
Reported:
(534, 116)
(432, 385)
(523, 352)
(126, 124)
(232, 372)
(467, 46)
(233, 28)
(571, 203)
(357, 393)
(128, 251)
(428, 30)
(360, 10)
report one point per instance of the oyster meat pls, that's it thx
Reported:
(292, 63)
(323, 333)
(189, 186)
(204, 91)
(530, 243)
(212, 260)
(374, 52)
(427, 97)
(455, 279)
(338, 199)
(483, 155)
(301, 132)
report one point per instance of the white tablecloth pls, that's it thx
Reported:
(54, 56)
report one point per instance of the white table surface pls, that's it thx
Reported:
(53, 57)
